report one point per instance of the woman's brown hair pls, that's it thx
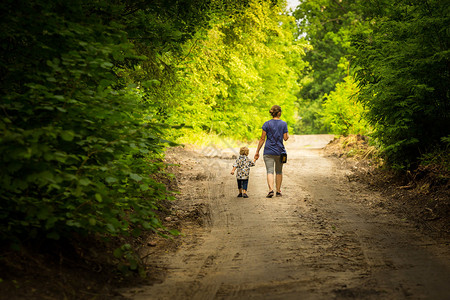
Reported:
(275, 110)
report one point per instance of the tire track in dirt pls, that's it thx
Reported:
(326, 238)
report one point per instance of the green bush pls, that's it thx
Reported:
(85, 87)
(341, 113)
(402, 57)
(78, 150)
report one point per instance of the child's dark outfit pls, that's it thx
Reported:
(242, 165)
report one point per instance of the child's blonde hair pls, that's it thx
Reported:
(243, 151)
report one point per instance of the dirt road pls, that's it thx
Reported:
(326, 238)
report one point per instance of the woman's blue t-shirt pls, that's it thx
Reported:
(275, 130)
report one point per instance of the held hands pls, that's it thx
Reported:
(256, 156)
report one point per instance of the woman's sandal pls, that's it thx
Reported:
(270, 194)
(279, 194)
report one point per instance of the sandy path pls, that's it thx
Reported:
(326, 238)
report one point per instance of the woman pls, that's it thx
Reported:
(275, 131)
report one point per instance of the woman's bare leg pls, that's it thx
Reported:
(270, 181)
(279, 179)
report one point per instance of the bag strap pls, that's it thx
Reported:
(282, 141)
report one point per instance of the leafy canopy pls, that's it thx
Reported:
(402, 59)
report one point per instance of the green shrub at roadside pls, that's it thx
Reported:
(342, 113)
(78, 152)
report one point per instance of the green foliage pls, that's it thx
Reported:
(403, 59)
(90, 91)
(341, 113)
(233, 72)
(309, 121)
(398, 51)
(327, 25)
(79, 150)
(129, 260)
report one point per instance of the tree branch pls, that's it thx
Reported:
(340, 5)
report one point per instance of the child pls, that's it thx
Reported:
(242, 165)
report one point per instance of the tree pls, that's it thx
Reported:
(403, 64)
(342, 113)
(327, 25)
(234, 71)
(79, 148)
(90, 90)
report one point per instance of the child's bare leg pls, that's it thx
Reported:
(240, 191)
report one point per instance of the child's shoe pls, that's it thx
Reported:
(245, 196)
(239, 195)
